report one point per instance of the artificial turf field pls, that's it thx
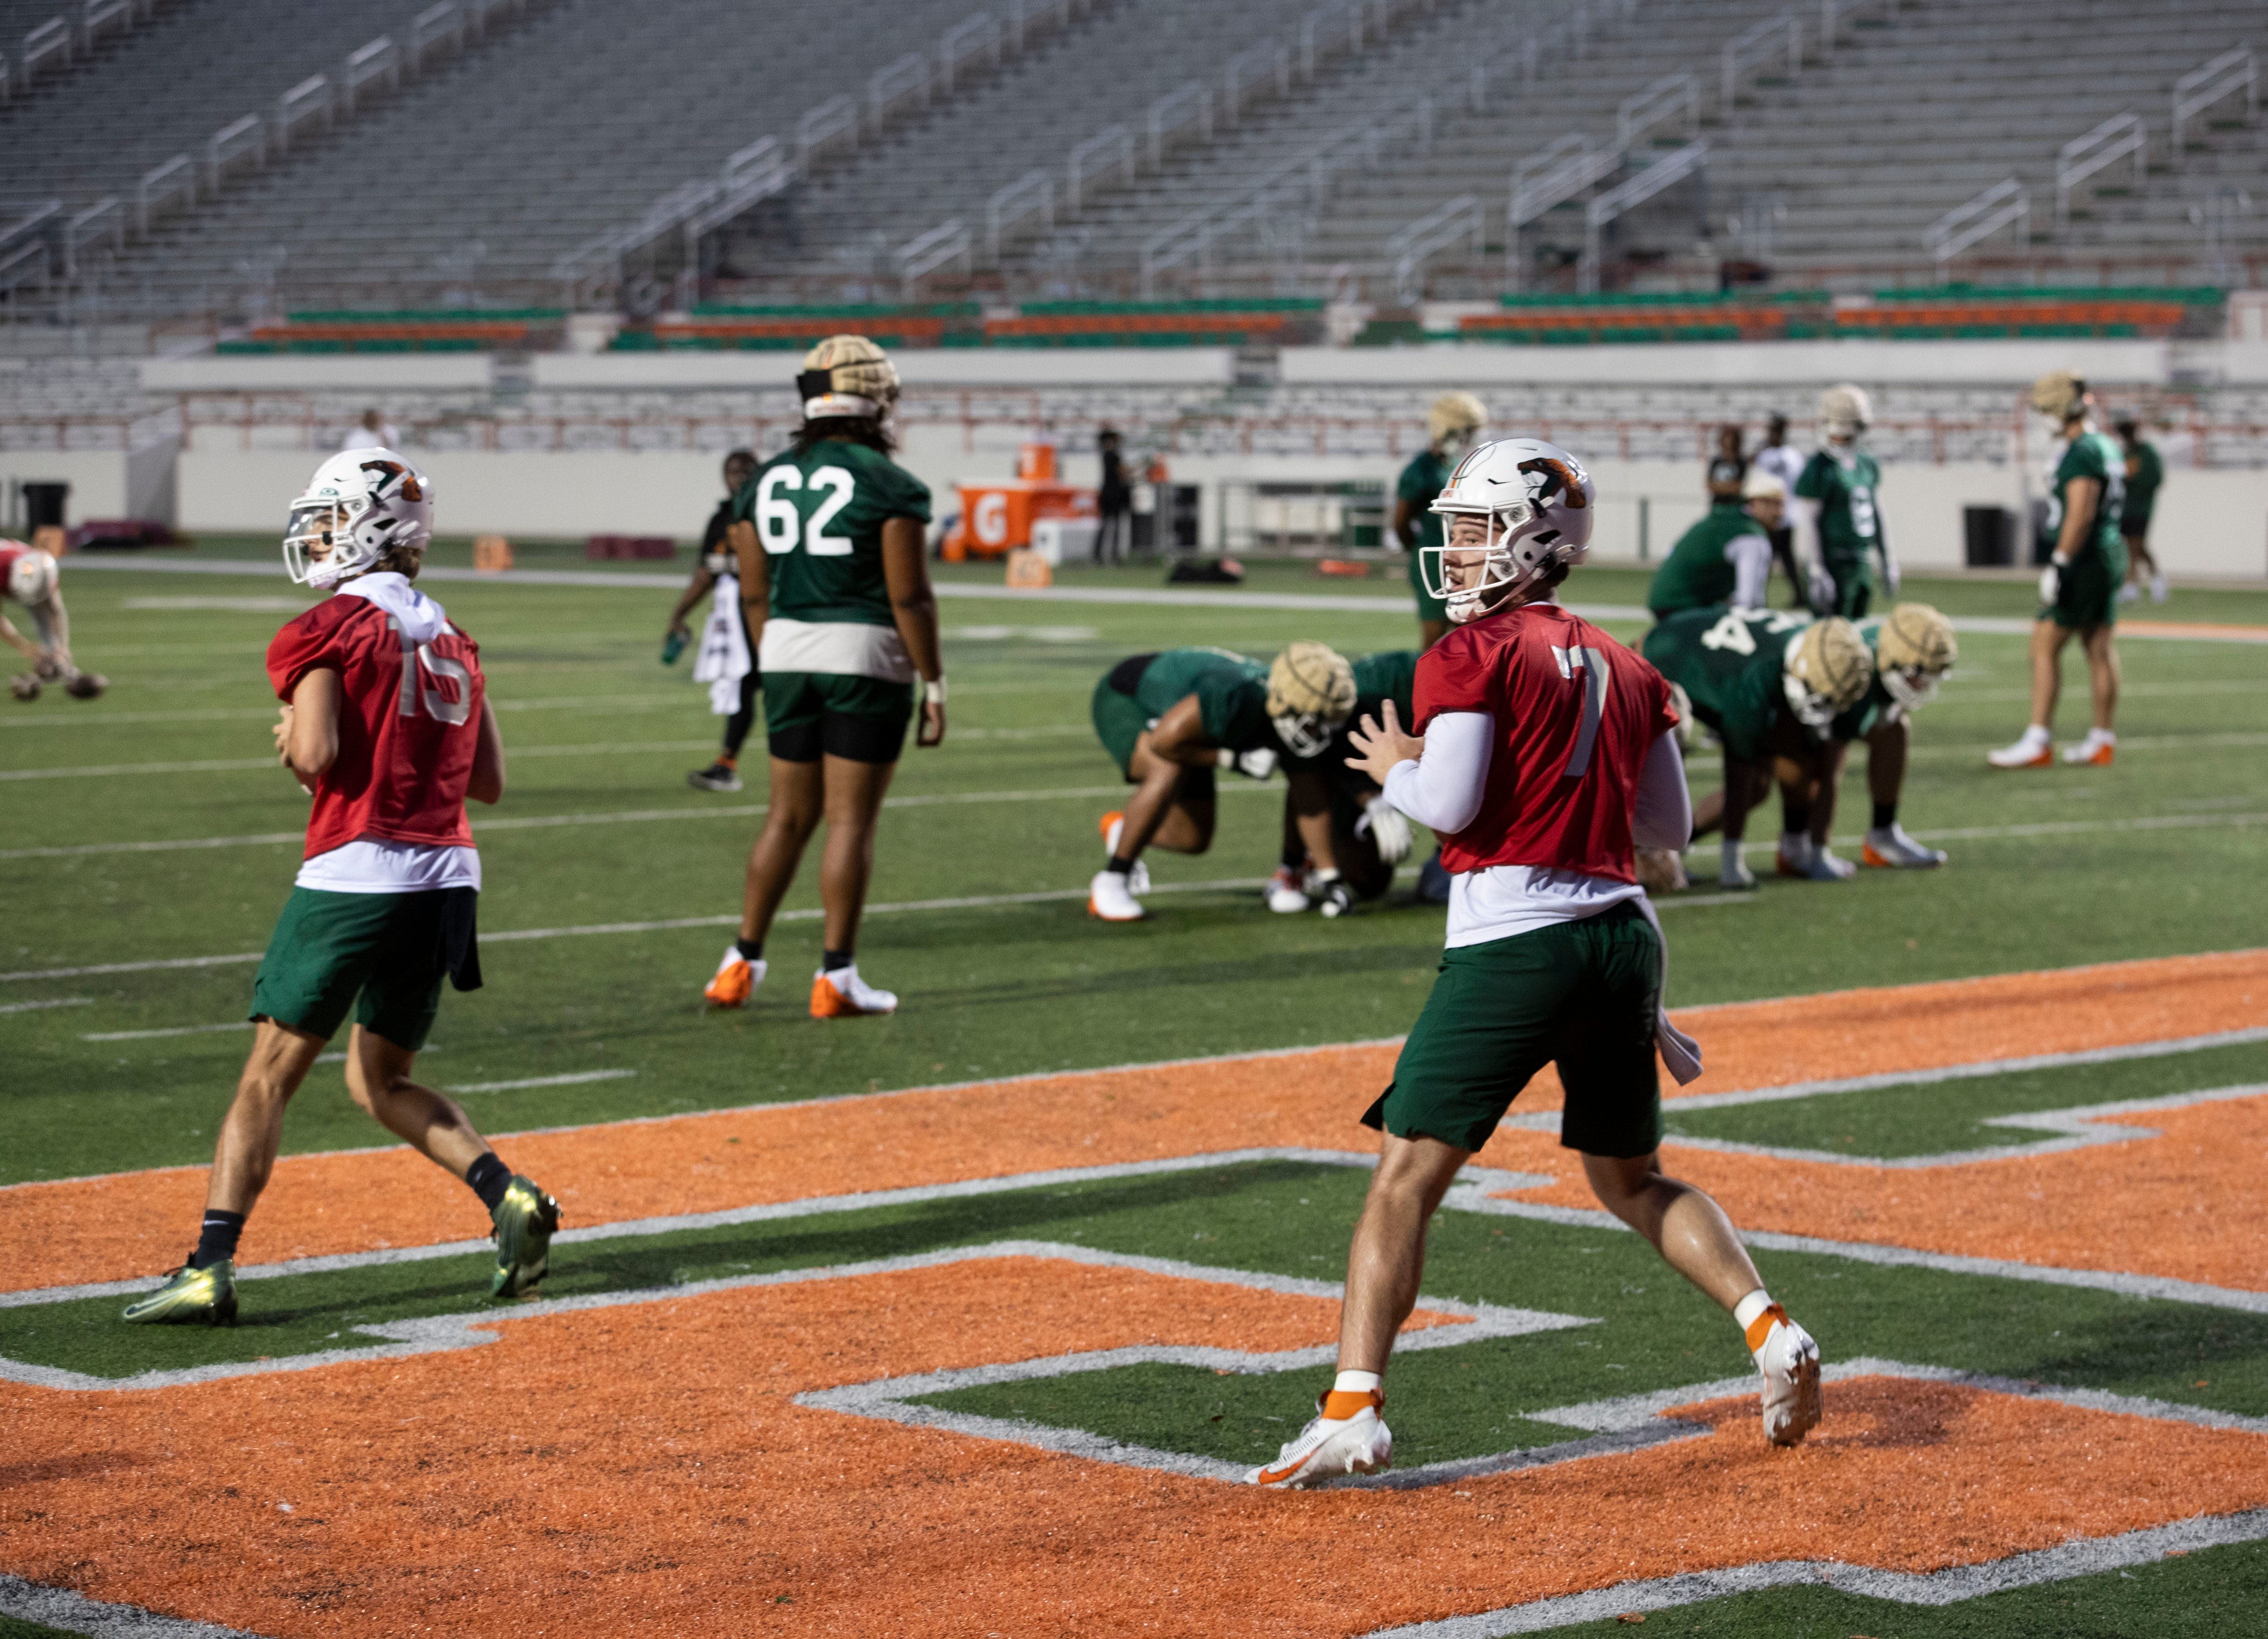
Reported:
(1096, 1290)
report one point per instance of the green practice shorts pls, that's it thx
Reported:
(1429, 607)
(1578, 994)
(1119, 723)
(329, 948)
(2087, 594)
(808, 714)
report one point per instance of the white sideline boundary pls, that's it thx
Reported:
(1170, 597)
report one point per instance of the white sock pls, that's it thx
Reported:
(1728, 858)
(2036, 735)
(2102, 736)
(1746, 1311)
(1357, 1382)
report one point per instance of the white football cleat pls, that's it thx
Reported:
(1328, 1447)
(1110, 897)
(2159, 589)
(1793, 856)
(1114, 825)
(843, 994)
(736, 980)
(2094, 751)
(1733, 872)
(1825, 866)
(2129, 592)
(1889, 848)
(1789, 1360)
(2031, 751)
(1287, 891)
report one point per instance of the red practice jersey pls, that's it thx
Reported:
(1576, 713)
(408, 727)
(9, 551)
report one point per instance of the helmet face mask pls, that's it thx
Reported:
(1844, 412)
(360, 505)
(1912, 687)
(1310, 693)
(1914, 651)
(1304, 734)
(1826, 671)
(1531, 502)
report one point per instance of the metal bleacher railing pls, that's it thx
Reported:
(767, 168)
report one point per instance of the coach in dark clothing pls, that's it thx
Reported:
(1114, 502)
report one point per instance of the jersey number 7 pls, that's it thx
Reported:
(1586, 668)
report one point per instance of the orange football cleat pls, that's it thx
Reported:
(843, 994)
(735, 980)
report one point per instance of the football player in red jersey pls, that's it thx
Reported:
(1549, 751)
(386, 725)
(28, 575)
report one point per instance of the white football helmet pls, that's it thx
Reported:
(32, 578)
(1844, 412)
(1536, 500)
(360, 504)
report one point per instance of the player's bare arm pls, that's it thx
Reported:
(2082, 498)
(1309, 795)
(487, 782)
(755, 580)
(1177, 741)
(913, 605)
(17, 641)
(703, 583)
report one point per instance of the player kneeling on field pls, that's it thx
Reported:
(33, 579)
(1169, 720)
(1342, 838)
(1767, 685)
(1913, 649)
(386, 724)
(1548, 748)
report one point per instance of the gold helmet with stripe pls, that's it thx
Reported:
(1310, 693)
(1913, 650)
(1826, 671)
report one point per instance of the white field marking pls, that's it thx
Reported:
(224, 605)
(571, 1079)
(440, 1333)
(2004, 833)
(1317, 603)
(2126, 691)
(175, 1029)
(2076, 1128)
(1548, 1120)
(2082, 1557)
(1975, 752)
(975, 902)
(1038, 634)
(70, 1613)
(595, 704)
(35, 1007)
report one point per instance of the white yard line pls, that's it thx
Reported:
(574, 1079)
(58, 1001)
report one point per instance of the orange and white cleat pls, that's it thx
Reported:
(2095, 751)
(1789, 1360)
(735, 980)
(1113, 826)
(2032, 752)
(1888, 848)
(1346, 1435)
(1110, 898)
(843, 994)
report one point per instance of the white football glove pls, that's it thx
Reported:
(1254, 765)
(1331, 894)
(1387, 828)
(1890, 576)
(2051, 581)
(1822, 589)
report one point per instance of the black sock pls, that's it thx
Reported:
(489, 1178)
(217, 1241)
(1886, 815)
(1119, 864)
(1795, 815)
(830, 960)
(750, 949)
(1295, 856)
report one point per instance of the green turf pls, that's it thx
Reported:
(2206, 1595)
(11, 1627)
(1932, 1117)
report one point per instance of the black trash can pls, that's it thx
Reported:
(43, 505)
(1989, 534)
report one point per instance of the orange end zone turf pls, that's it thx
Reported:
(645, 1470)
(129, 1224)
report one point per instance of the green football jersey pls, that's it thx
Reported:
(2090, 456)
(1699, 571)
(819, 516)
(1421, 481)
(2145, 472)
(1859, 720)
(1232, 692)
(1730, 663)
(1850, 525)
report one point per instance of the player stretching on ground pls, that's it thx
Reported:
(34, 580)
(2079, 589)
(725, 660)
(1342, 838)
(836, 598)
(386, 722)
(1169, 719)
(1769, 686)
(1548, 747)
(1725, 559)
(1836, 512)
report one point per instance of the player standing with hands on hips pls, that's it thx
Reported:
(386, 724)
(835, 594)
(1547, 749)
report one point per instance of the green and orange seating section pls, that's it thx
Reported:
(447, 330)
(1939, 312)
